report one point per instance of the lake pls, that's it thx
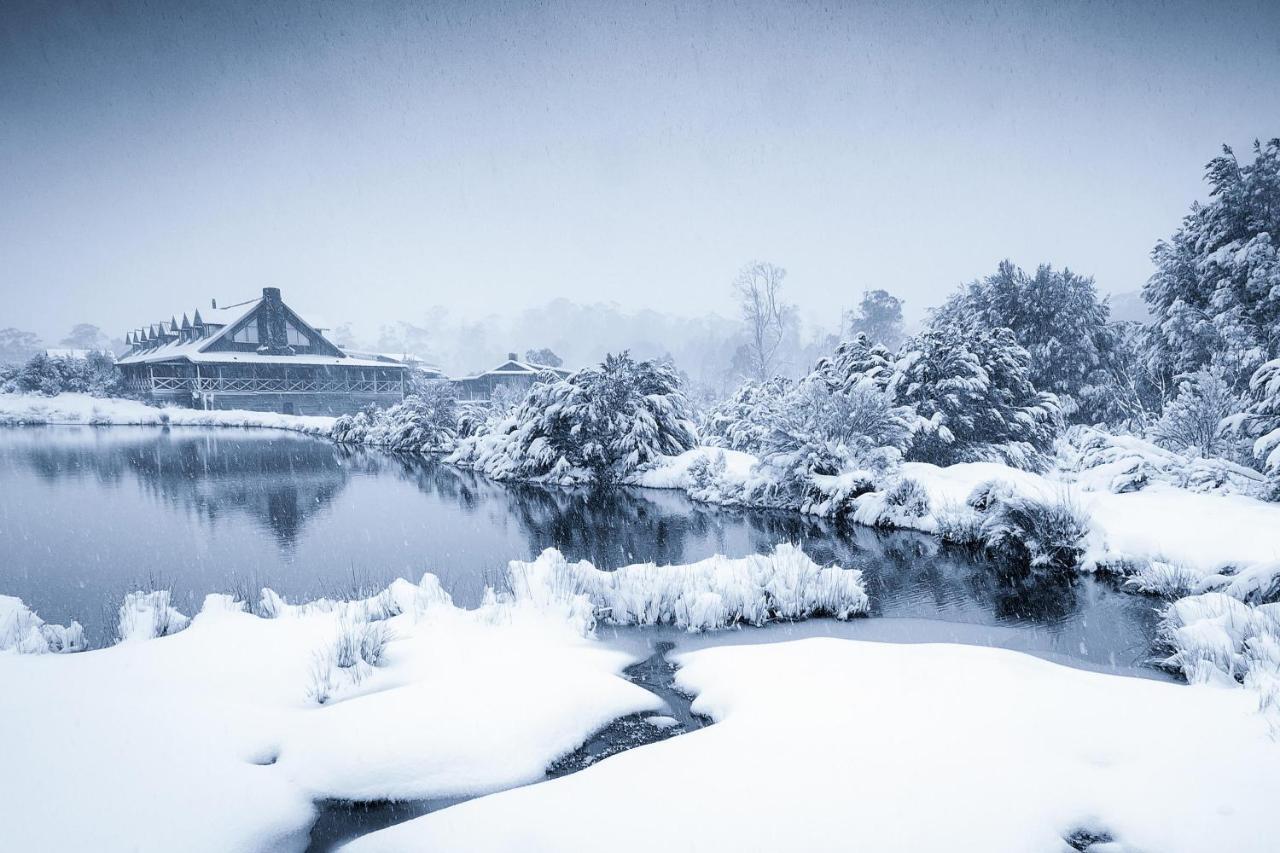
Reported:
(90, 513)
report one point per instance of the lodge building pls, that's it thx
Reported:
(514, 374)
(257, 355)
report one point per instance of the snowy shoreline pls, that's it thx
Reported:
(83, 410)
(263, 715)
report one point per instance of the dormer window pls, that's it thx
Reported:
(248, 334)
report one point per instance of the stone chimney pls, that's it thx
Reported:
(272, 335)
(512, 357)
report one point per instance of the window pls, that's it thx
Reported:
(296, 337)
(248, 334)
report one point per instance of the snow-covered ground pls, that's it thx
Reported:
(225, 730)
(828, 744)
(33, 409)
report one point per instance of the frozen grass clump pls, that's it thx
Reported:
(714, 593)
(1163, 579)
(147, 615)
(358, 647)
(22, 631)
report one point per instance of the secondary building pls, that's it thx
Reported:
(257, 355)
(513, 374)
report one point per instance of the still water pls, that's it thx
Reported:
(90, 513)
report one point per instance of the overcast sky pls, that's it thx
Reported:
(375, 159)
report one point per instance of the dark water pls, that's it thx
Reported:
(87, 514)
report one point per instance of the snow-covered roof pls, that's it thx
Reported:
(397, 358)
(224, 319)
(512, 367)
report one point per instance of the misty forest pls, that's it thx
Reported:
(973, 545)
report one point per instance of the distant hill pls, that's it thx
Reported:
(1129, 306)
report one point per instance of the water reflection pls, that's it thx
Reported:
(88, 513)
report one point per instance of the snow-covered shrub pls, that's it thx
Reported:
(1037, 534)
(742, 421)
(958, 525)
(711, 594)
(26, 633)
(1192, 420)
(905, 504)
(96, 375)
(827, 446)
(598, 425)
(148, 615)
(853, 364)
(973, 399)
(1099, 461)
(423, 423)
(1261, 422)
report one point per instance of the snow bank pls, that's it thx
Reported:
(33, 409)
(831, 744)
(211, 735)
(23, 632)
(706, 595)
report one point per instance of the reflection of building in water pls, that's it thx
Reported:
(278, 480)
(258, 355)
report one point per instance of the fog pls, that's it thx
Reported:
(460, 167)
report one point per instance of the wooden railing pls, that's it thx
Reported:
(271, 385)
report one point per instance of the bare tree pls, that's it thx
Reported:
(759, 291)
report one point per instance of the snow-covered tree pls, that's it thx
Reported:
(1057, 317)
(974, 399)
(96, 375)
(854, 362)
(1193, 419)
(544, 357)
(425, 422)
(599, 425)
(1215, 294)
(17, 346)
(87, 336)
(743, 420)
(879, 317)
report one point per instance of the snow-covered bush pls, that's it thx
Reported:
(1042, 535)
(1192, 421)
(424, 423)
(26, 633)
(973, 398)
(1100, 461)
(1261, 422)
(708, 595)
(903, 505)
(597, 426)
(742, 421)
(96, 375)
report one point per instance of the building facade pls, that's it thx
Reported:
(257, 355)
(513, 374)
